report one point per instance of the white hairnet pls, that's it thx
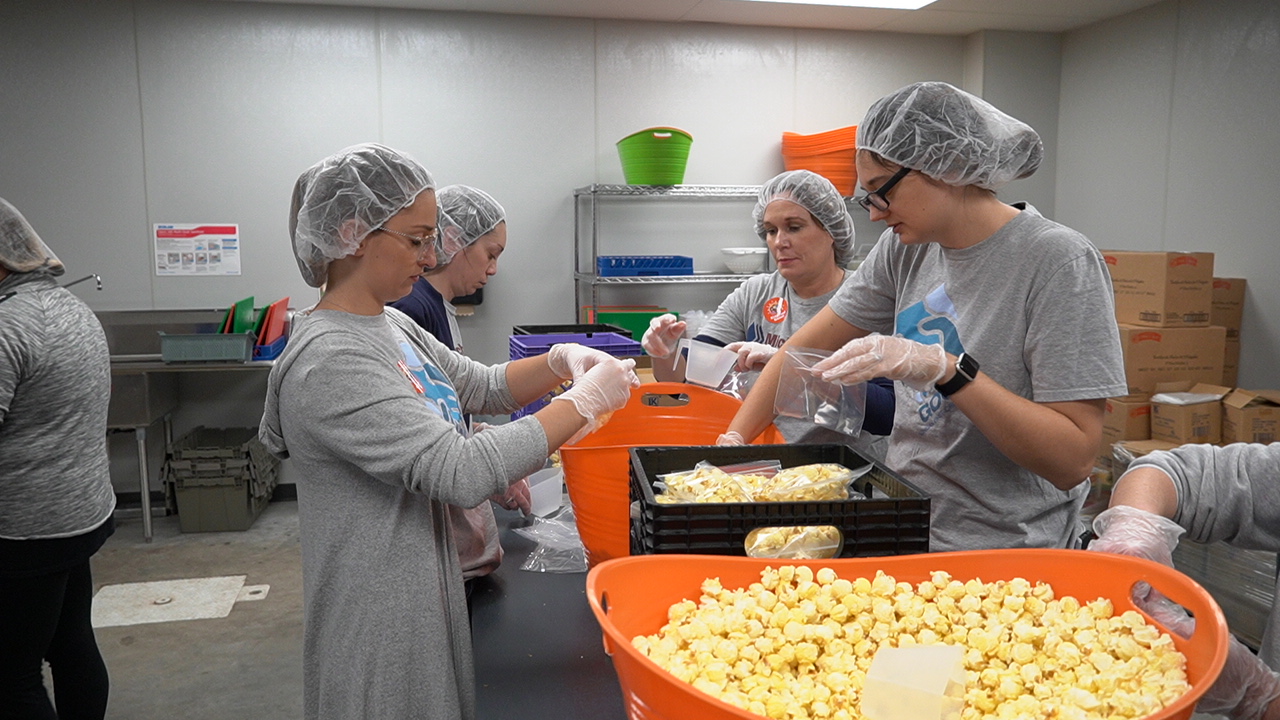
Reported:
(466, 215)
(948, 134)
(367, 184)
(21, 249)
(816, 194)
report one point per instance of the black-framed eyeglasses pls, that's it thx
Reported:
(876, 199)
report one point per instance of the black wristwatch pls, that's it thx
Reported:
(966, 371)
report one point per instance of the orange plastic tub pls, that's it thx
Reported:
(630, 597)
(830, 154)
(596, 468)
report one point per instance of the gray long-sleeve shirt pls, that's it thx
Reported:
(55, 385)
(371, 427)
(1231, 494)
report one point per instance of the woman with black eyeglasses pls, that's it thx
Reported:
(997, 323)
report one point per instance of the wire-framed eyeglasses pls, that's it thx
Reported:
(876, 199)
(424, 244)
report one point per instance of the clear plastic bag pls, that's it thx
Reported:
(818, 481)
(708, 483)
(801, 394)
(560, 548)
(796, 543)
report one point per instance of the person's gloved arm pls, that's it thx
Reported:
(895, 358)
(570, 361)
(730, 438)
(663, 334)
(1126, 530)
(751, 355)
(598, 393)
(1245, 689)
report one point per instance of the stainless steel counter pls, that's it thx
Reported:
(144, 389)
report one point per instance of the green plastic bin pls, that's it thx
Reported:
(655, 156)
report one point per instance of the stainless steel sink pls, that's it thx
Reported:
(138, 397)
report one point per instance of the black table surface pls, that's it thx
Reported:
(538, 649)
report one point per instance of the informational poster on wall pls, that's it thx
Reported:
(195, 249)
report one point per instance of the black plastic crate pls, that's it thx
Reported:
(893, 522)
(588, 328)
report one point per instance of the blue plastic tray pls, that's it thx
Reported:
(633, 265)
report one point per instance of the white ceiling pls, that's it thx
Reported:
(943, 17)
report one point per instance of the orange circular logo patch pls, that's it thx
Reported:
(775, 310)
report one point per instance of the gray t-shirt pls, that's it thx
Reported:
(1229, 494)
(375, 431)
(1033, 304)
(764, 309)
(55, 386)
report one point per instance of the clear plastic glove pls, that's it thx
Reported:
(1245, 687)
(915, 364)
(662, 336)
(751, 355)
(733, 437)
(571, 361)
(517, 496)
(600, 391)
(1125, 530)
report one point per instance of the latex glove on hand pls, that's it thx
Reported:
(1125, 530)
(662, 336)
(570, 361)
(731, 438)
(887, 356)
(600, 391)
(1245, 687)
(516, 496)
(751, 355)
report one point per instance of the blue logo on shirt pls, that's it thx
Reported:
(931, 322)
(437, 392)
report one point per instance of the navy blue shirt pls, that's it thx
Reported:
(426, 306)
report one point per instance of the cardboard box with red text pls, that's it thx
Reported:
(1124, 418)
(1251, 416)
(1161, 289)
(1199, 422)
(1158, 355)
(1228, 305)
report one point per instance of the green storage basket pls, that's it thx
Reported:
(655, 156)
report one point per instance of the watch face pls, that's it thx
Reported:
(967, 365)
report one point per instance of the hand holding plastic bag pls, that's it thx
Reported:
(663, 334)
(887, 356)
(602, 390)
(571, 361)
(1125, 530)
(751, 355)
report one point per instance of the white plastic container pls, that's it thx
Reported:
(744, 260)
(707, 364)
(546, 491)
(920, 682)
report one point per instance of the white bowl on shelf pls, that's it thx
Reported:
(744, 260)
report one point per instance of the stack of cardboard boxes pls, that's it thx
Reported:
(1180, 334)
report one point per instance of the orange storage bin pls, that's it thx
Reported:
(630, 597)
(597, 468)
(830, 154)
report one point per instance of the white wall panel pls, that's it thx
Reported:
(1224, 159)
(71, 160)
(238, 99)
(1113, 131)
(505, 104)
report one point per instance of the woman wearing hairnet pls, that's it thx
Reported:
(473, 234)
(56, 500)
(369, 408)
(960, 278)
(803, 220)
(1212, 494)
